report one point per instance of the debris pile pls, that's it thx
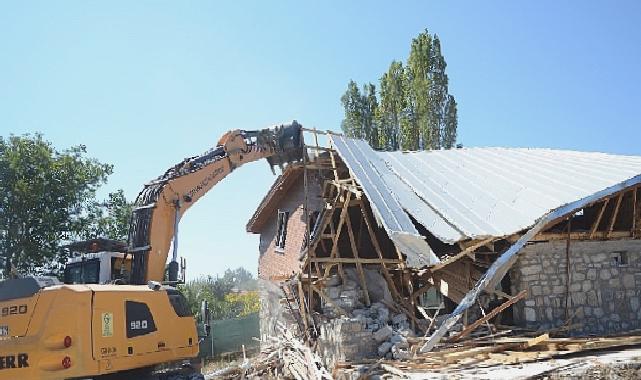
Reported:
(285, 356)
(352, 330)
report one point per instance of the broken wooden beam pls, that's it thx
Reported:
(489, 315)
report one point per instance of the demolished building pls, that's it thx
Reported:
(369, 247)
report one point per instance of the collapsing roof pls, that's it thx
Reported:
(485, 192)
(476, 193)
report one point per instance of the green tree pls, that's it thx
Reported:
(44, 194)
(451, 124)
(232, 295)
(438, 95)
(108, 219)
(419, 77)
(352, 102)
(415, 110)
(370, 106)
(392, 105)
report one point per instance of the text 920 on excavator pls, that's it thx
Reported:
(118, 314)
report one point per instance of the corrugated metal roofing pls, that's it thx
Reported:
(358, 157)
(480, 192)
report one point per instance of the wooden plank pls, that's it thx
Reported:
(379, 252)
(359, 266)
(552, 236)
(537, 340)
(614, 215)
(352, 260)
(303, 310)
(595, 226)
(489, 315)
(461, 254)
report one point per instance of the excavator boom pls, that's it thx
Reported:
(162, 202)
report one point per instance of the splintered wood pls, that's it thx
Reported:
(483, 353)
(284, 356)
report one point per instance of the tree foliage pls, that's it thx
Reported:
(230, 296)
(360, 113)
(109, 218)
(47, 197)
(415, 110)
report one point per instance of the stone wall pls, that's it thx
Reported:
(345, 339)
(604, 286)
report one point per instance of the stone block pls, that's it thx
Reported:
(605, 274)
(628, 281)
(384, 348)
(591, 274)
(399, 318)
(350, 285)
(383, 334)
(530, 270)
(578, 276)
(537, 290)
(578, 298)
(530, 314)
(400, 354)
(587, 285)
(333, 292)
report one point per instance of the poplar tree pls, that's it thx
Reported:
(415, 110)
(392, 104)
(370, 105)
(418, 90)
(451, 124)
(438, 94)
(352, 124)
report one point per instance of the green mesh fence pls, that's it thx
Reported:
(228, 335)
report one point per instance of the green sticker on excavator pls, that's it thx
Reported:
(107, 324)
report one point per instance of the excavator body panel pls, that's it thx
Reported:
(92, 330)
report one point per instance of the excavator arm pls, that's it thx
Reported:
(162, 202)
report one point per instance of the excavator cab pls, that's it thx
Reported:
(98, 261)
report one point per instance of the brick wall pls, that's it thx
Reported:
(273, 262)
(605, 294)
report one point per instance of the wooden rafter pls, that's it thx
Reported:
(466, 252)
(337, 233)
(359, 265)
(352, 260)
(579, 235)
(614, 215)
(595, 226)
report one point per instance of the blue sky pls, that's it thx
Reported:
(144, 84)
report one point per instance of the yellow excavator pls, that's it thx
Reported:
(118, 315)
